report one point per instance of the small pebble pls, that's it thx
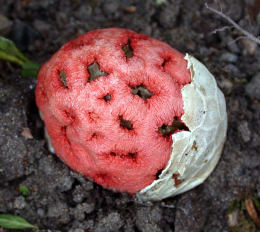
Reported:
(168, 16)
(110, 6)
(232, 218)
(76, 230)
(130, 9)
(253, 87)
(258, 19)
(249, 45)
(59, 211)
(231, 68)
(226, 84)
(66, 183)
(40, 4)
(84, 12)
(112, 222)
(244, 131)
(81, 209)
(5, 25)
(26, 133)
(40, 212)
(228, 57)
(19, 203)
(78, 194)
(42, 26)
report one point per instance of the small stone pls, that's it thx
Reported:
(250, 46)
(228, 57)
(60, 212)
(232, 218)
(19, 203)
(66, 183)
(147, 219)
(84, 13)
(40, 212)
(112, 222)
(5, 25)
(258, 19)
(40, 4)
(169, 14)
(233, 47)
(160, 2)
(130, 9)
(231, 68)
(110, 6)
(226, 84)
(78, 194)
(253, 87)
(41, 26)
(88, 185)
(244, 131)
(255, 139)
(81, 209)
(79, 213)
(156, 214)
(89, 208)
(77, 230)
(26, 133)
(46, 164)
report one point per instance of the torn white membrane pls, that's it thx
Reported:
(196, 152)
(47, 137)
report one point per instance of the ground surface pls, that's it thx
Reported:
(61, 200)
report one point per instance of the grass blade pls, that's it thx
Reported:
(10, 48)
(30, 69)
(9, 221)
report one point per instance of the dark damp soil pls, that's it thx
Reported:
(61, 200)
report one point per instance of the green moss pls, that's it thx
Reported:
(236, 204)
(257, 203)
(24, 190)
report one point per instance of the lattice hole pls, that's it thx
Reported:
(142, 91)
(125, 123)
(167, 130)
(95, 72)
(129, 155)
(128, 50)
(107, 97)
(63, 77)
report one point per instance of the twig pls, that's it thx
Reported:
(221, 29)
(234, 24)
(238, 38)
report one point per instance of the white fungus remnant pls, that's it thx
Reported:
(196, 152)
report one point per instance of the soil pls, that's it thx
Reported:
(62, 200)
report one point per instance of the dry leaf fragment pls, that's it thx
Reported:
(250, 207)
(27, 133)
(130, 9)
(233, 217)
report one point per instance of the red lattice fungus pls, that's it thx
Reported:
(110, 101)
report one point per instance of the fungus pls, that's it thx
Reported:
(161, 114)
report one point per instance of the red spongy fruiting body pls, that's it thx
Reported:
(110, 101)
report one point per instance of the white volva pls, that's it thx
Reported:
(196, 152)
